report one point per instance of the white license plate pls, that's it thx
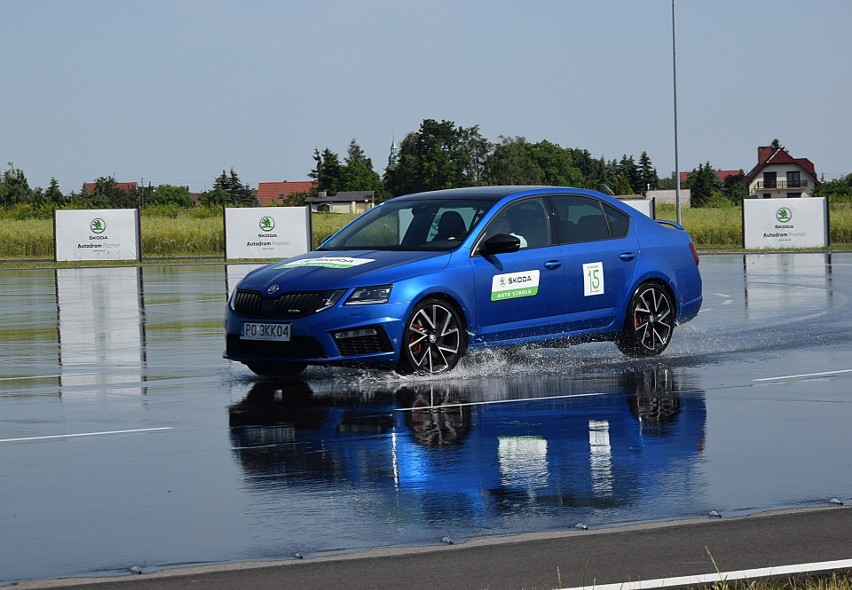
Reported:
(259, 331)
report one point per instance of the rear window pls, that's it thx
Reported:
(583, 219)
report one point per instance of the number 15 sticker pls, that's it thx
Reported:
(593, 279)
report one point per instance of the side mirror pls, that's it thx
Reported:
(500, 244)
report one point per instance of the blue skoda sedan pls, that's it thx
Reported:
(414, 283)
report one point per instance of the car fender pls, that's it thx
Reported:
(413, 291)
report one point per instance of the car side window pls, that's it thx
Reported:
(619, 222)
(581, 219)
(527, 220)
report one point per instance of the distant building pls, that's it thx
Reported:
(669, 196)
(778, 175)
(722, 175)
(127, 187)
(393, 157)
(274, 193)
(343, 202)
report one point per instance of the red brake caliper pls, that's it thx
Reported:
(419, 347)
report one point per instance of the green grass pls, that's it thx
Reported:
(182, 236)
(26, 238)
(709, 228)
(833, 581)
(172, 233)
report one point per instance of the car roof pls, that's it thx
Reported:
(492, 193)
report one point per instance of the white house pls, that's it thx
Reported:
(778, 175)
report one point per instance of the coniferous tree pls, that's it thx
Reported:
(228, 189)
(648, 179)
(328, 173)
(52, 194)
(357, 173)
(702, 183)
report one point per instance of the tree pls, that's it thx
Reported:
(628, 167)
(555, 163)
(105, 194)
(602, 178)
(357, 173)
(591, 168)
(777, 145)
(734, 188)
(648, 179)
(703, 183)
(295, 199)
(52, 194)
(14, 187)
(229, 189)
(622, 184)
(438, 156)
(167, 194)
(477, 148)
(837, 190)
(511, 163)
(327, 173)
(215, 196)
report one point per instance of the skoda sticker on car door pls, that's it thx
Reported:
(514, 284)
(593, 279)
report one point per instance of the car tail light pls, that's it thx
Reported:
(694, 252)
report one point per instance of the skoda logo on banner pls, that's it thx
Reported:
(784, 215)
(267, 224)
(97, 225)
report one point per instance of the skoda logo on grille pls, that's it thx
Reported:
(272, 289)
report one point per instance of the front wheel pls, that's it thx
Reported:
(434, 338)
(276, 369)
(649, 323)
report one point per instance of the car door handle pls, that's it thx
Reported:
(627, 256)
(551, 264)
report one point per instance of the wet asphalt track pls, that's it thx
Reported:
(127, 443)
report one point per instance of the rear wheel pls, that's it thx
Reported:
(434, 338)
(276, 369)
(649, 323)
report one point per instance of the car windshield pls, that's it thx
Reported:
(410, 225)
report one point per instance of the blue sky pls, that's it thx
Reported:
(175, 91)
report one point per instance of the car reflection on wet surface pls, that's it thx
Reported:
(127, 442)
(479, 455)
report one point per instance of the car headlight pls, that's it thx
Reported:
(370, 295)
(331, 299)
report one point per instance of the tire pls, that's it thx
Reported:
(276, 369)
(650, 322)
(434, 340)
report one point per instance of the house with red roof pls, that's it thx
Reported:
(274, 193)
(722, 175)
(126, 187)
(778, 175)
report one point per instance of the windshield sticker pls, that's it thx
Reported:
(593, 279)
(514, 284)
(326, 262)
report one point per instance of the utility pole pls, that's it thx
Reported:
(674, 79)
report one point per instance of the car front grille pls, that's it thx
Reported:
(285, 306)
(299, 347)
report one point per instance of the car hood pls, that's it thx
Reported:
(319, 271)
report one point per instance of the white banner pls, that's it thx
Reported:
(96, 234)
(267, 232)
(646, 206)
(785, 223)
